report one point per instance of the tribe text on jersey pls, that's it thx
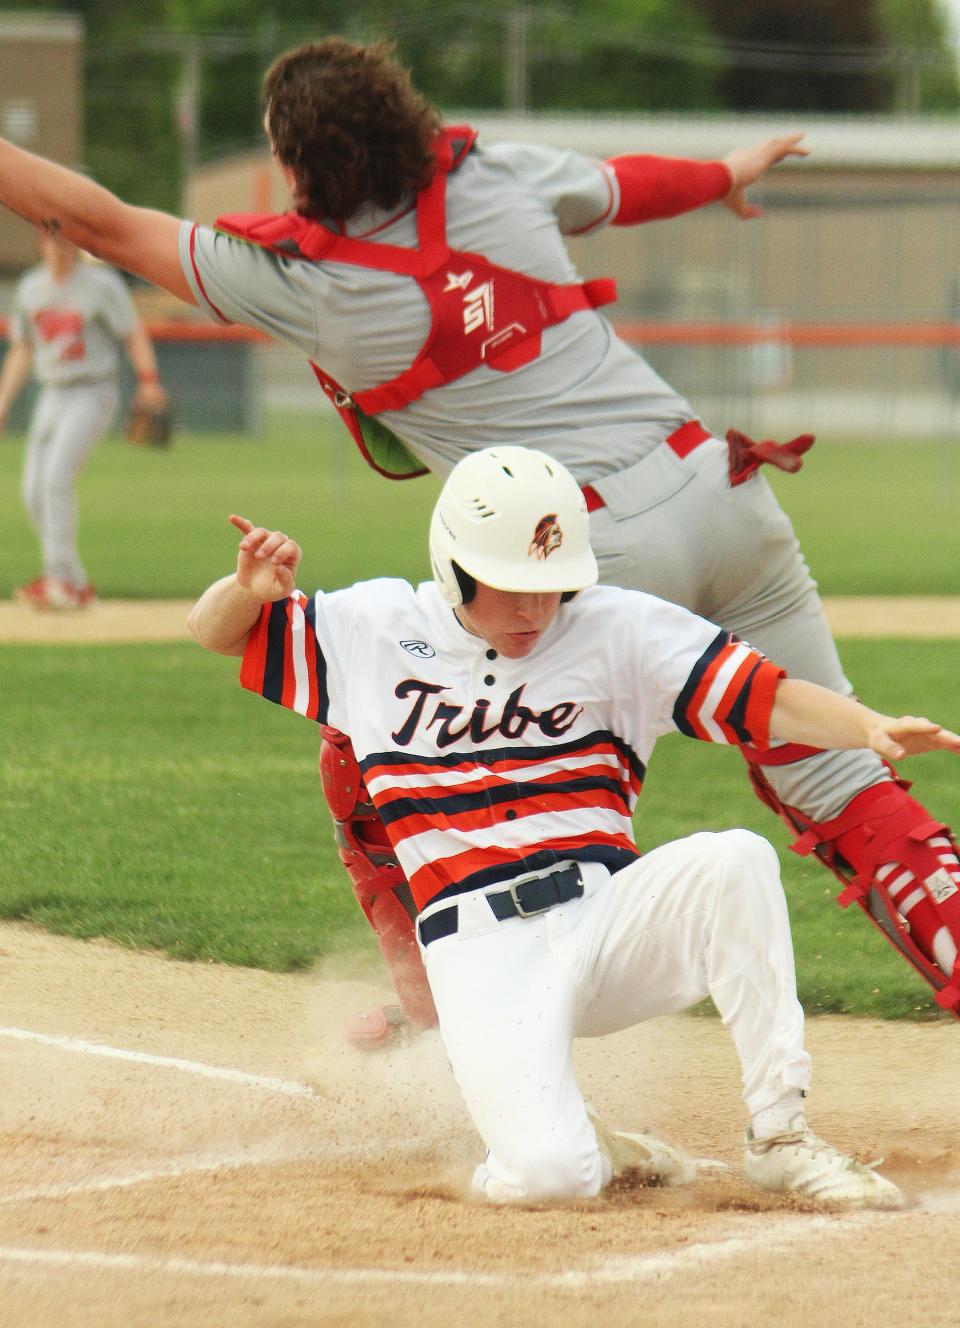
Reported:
(483, 767)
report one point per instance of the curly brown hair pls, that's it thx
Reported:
(350, 125)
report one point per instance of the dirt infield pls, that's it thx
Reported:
(194, 1145)
(165, 620)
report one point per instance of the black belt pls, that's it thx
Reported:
(525, 898)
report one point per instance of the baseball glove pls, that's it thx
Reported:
(149, 426)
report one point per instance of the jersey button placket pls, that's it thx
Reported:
(489, 680)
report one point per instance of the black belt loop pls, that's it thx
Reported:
(524, 898)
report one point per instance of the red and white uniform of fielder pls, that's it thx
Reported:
(484, 768)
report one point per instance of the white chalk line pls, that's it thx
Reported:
(170, 1171)
(370, 1148)
(788, 1232)
(290, 1087)
(175, 1169)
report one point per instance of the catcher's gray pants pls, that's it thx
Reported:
(67, 423)
(675, 528)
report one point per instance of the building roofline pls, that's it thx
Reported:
(922, 142)
(36, 26)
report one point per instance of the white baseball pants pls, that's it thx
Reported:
(700, 916)
(67, 424)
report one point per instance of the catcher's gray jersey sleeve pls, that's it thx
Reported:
(582, 192)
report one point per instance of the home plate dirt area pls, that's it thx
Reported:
(190, 1144)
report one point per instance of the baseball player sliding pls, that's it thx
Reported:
(68, 321)
(425, 277)
(503, 716)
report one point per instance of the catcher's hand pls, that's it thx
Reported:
(150, 421)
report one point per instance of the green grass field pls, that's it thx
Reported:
(148, 799)
(873, 519)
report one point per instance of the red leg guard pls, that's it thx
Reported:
(899, 865)
(378, 882)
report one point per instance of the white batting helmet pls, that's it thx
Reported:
(514, 519)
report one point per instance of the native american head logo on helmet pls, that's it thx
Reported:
(546, 537)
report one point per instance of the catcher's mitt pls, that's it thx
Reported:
(149, 426)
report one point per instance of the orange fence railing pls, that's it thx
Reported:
(655, 332)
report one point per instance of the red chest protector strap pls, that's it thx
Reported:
(481, 313)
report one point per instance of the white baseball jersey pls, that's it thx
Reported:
(588, 399)
(74, 326)
(484, 767)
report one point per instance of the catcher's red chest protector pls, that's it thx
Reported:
(481, 313)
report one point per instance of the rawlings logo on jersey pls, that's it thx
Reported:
(546, 537)
(419, 648)
(512, 722)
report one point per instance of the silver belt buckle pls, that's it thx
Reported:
(518, 881)
(521, 911)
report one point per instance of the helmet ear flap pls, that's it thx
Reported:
(467, 583)
(446, 573)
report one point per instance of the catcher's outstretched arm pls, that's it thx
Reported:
(61, 201)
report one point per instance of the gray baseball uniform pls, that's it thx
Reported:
(75, 328)
(672, 526)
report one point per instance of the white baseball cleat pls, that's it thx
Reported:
(648, 1158)
(799, 1163)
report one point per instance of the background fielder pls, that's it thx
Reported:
(69, 319)
(505, 755)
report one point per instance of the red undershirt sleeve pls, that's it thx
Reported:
(652, 188)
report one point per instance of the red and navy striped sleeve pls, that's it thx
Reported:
(283, 660)
(729, 694)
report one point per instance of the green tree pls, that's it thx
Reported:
(798, 55)
(925, 77)
(860, 55)
(624, 55)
